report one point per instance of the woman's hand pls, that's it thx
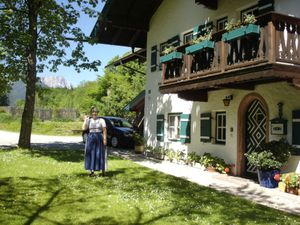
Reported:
(104, 142)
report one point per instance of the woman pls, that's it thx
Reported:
(95, 157)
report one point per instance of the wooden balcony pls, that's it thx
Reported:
(272, 55)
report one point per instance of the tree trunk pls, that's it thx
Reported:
(27, 116)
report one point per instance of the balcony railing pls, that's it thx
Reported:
(277, 41)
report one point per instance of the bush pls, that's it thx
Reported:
(272, 155)
(5, 117)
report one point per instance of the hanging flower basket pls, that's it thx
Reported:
(199, 47)
(170, 57)
(250, 29)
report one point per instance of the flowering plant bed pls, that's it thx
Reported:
(171, 56)
(250, 29)
(199, 46)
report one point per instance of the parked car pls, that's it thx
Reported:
(119, 132)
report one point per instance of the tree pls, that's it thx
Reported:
(33, 36)
(119, 86)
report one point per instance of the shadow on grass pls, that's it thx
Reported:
(171, 199)
(69, 155)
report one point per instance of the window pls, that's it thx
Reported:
(187, 37)
(251, 10)
(221, 127)
(163, 46)
(174, 126)
(221, 23)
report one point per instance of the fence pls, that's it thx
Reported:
(45, 114)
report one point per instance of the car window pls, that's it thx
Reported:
(120, 123)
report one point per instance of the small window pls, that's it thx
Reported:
(251, 10)
(174, 126)
(221, 23)
(163, 46)
(187, 37)
(220, 127)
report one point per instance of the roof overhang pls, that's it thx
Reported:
(139, 55)
(125, 22)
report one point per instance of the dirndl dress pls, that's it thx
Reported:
(95, 156)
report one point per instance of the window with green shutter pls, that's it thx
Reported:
(296, 127)
(205, 127)
(174, 41)
(185, 128)
(160, 127)
(153, 58)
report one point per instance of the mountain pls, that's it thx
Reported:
(55, 82)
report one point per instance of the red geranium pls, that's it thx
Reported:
(277, 177)
(227, 169)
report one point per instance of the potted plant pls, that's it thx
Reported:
(268, 160)
(207, 160)
(170, 154)
(138, 143)
(169, 54)
(201, 43)
(239, 29)
(291, 182)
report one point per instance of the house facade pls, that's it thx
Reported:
(227, 99)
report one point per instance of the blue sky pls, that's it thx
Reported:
(101, 52)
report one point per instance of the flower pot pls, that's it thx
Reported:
(282, 186)
(170, 57)
(292, 190)
(266, 178)
(250, 29)
(199, 47)
(139, 149)
(211, 169)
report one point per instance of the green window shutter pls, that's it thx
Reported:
(265, 6)
(153, 58)
(185, 128)
(160, 120)
(202, 29)
(205, 127)
(296, 127)
(174, 41)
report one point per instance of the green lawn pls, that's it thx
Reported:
(51, 187)
(10, 123)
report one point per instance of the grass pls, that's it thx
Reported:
(10, 123)
(50, 187)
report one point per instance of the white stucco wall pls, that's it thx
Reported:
(176, 17)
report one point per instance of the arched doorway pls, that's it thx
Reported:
(252, 129)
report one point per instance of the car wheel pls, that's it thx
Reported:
(114, 142)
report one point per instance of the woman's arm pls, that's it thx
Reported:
(85, 123)
(104, 136)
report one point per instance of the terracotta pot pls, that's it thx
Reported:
(139, 149)
(292, 190)
(211, 169)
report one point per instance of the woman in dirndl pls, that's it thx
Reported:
(95, 156)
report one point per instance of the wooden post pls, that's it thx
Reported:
(189, 65)
(271, 40)
(163, 72)
(223, 56)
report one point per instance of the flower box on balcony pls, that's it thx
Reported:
(240, 32)
(199, 47)
(170, 56)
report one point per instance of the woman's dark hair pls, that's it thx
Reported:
(94, 109)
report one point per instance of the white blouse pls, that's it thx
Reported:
(95, 125)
